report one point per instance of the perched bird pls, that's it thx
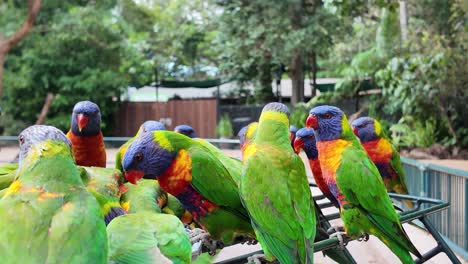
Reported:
(105, 185)
(86, 136)
(148, 196)
(246, 135)
(148, 237)
(384, 155)
(356, 183)
(305, 139)
(51, 216)
(186, 130)
(292, 134)
(203, 180)
(282, 213)
(148, 126)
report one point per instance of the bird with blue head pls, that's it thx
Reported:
(86, 136)
(356, 184)
(384, 155)
(200, 176)
(186, 130)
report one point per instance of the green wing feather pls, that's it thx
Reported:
(361, 184)
(148, 238)
(143, 197)
(207, 168)
(395, 163)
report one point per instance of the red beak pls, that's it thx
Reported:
(312, 122)
(355, 131)
(291, 136)
(82, 121)
(134, 176)
(298, 145)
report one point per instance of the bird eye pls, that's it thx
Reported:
(139, 157)
(21, 139)
(327, 116)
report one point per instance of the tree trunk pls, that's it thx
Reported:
(297, 78)
(45, 109)
(403, 20)
(313, 69)
(264, 93)
(6, 44)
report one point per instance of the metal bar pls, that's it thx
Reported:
(440, 241)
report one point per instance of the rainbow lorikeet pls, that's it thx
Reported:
(148, 196)
(105, 184)
(384, 155)
(147, 126)
(7, 174)
(282, 213)
(186, 130)
(86, 136)
(201, 177)
(356, 183)
(305, 139)
(51, 216)
(148, 237)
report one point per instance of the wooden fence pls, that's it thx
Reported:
(200, 114)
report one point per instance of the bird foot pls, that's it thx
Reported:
(258, 259)
(201, 240)
(364, 237)
(245, 240)
(340, 234)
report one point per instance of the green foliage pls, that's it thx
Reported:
(77, 58)
(409, 132)
(224, 127)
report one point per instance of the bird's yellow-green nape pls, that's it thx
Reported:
(45, 149)
(251, 129)
(378, 128)
(275, 116)
(163, 141)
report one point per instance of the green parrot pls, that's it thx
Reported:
(200, 176)
(147, 237)
(105, 184)
(355, 182)
(148, 196)
(275, 190)
(147, 126)
(48, 215)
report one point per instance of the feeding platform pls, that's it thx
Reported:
(423, 207)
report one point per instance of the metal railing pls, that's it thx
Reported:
(448, 184)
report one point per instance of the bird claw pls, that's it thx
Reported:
(245, 240)
(257, 259)
(209, 245)
(364, 237)
(340, 234)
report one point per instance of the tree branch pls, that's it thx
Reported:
(10, 42)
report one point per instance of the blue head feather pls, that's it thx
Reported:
(151, 125)
(145, 155)
(92, 112)
(365, 129)
(308, 138)
(329, 122)
(186, 130)
(241, 134)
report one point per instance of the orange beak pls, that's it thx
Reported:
(82, 121)
(291, 136)
(355, 131)
(134, 176)
(298, 145)
(312, 122)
